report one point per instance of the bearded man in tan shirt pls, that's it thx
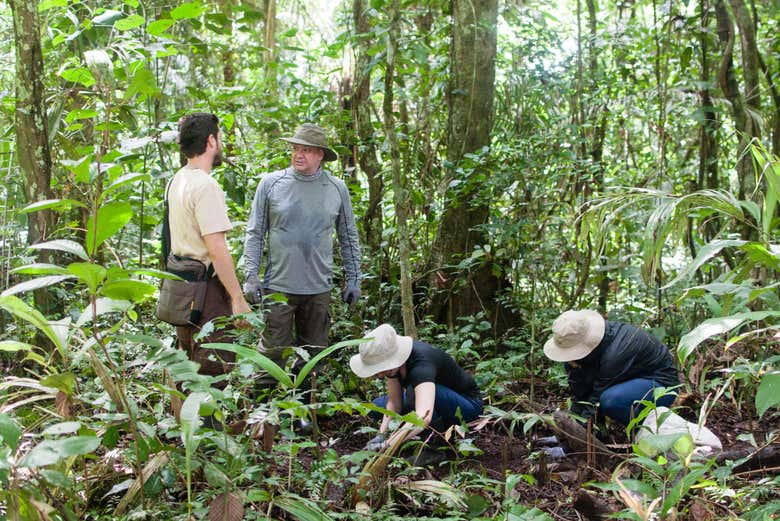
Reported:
(198, 222)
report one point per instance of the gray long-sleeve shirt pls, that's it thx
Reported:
(298, 213)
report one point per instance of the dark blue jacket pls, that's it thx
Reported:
(625, 353)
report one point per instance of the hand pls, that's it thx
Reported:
(253, 289)
(239, 306)
(351, 295)
(378, 442)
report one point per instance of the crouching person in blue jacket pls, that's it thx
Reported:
(611, 366)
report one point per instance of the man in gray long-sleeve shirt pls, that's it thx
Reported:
(297, 209)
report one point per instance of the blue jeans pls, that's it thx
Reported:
(445, 405)
(618, 401)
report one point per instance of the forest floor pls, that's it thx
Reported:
(560, 487)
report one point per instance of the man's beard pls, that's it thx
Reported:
(217, 159)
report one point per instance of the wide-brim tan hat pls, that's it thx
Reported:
(386, 350)
(575, 335)
(312, 135)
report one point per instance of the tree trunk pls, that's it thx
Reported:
(366, 149)
(472, 66)
(728, 82)
(32, 135)
(400, 197)
(708, 126)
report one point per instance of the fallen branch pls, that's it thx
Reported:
(767, 458)
(576, 437)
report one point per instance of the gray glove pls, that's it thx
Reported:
(253, 290)
(351, 294)
(554, 452)
(377, 442)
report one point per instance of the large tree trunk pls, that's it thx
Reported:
(365, 149)
(472, 66)
(32, 136)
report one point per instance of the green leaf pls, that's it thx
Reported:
(301, 509)
(62, 245)
(143, 83)
(50, 452)
(110, 219)
(79, 75)
(65, 382)
(31, 285)
(103, 305)
(716, 326)
(12, 346)
(158, 27)
(131, 22)
(40, 268)
(304, 372)
(90, 274)
(654, 444)
(61, 428)
(259, 360)
(768, 394)
(188, 10)
(9, 431)
(45, 5)
(125, 180)
(80, 168)
(129, 289)
(58, 205)
(23, 311)
(759, 254)
(707, 252)
(107, 17)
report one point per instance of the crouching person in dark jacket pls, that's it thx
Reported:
(610, 365)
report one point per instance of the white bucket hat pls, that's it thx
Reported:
(386, 350)
(575, 335)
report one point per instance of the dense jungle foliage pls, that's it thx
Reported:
(507, 160)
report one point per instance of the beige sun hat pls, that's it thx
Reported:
(312, 135)
(386, 350)
(575, 335)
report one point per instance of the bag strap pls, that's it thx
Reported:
(165, 238)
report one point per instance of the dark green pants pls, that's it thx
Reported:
(302, 321)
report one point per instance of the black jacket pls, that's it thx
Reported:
(624, 353)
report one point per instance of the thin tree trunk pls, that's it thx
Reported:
(32, 135)
(366, 150)
(400, 197)
(708, 129)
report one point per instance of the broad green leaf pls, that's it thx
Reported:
(103, 305)
(65, 382)
(23, 311)
(31, 285)
(144, 83)
(45, 5)
(768, 394)
(684, 446)
(653, 444)
(131, 22)
(9, 431)
(304, 372)
(78, 114)
(151, 272)
(158, 27)
(128, 289)
(79, 75)
(49, 452)
(132, 3)
(716, 326)
(707, 252)
(110, 219)
(40, 269)
(61, 428)
(80, 168)
(187, 10)
(258, 359)
(90, 274)
(759, 254)
(107, 17)
(57, 205)
(12, 346)
(65, 245)
(301, 509)
(125, 180)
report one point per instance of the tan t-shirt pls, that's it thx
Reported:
(197, 207)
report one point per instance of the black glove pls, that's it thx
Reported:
(253, 290)
(351, 294)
